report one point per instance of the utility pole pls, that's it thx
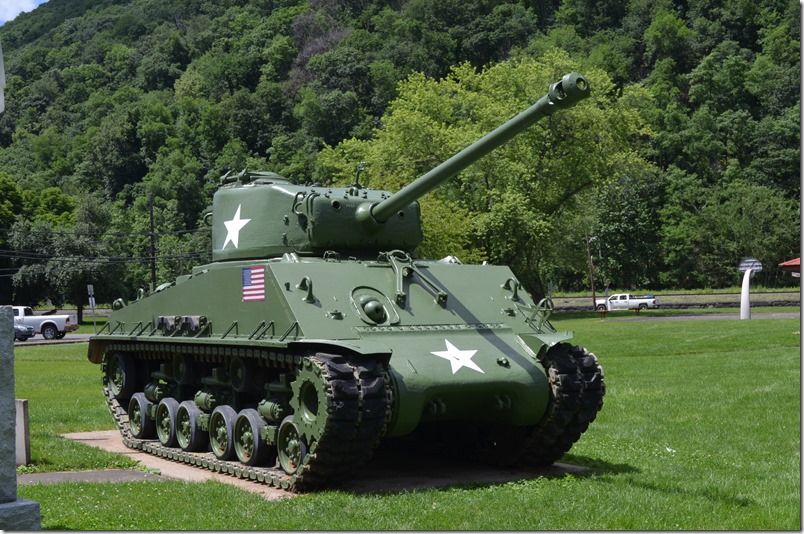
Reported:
(153, 243)
(591, 270)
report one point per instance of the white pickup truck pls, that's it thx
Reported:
(626, 301)
(50, 326)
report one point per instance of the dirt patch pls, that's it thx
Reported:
(388, 471)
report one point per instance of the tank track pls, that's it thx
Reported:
(576, 395)
(360, 411)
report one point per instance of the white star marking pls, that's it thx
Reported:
(458, 358)
(233, 228)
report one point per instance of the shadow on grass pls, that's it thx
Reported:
(596, 466)
(399, 470)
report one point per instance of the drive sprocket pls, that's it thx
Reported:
(312, 398)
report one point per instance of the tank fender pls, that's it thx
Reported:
(96, 349)
(362, 347)
(539, 343)
(379, 351)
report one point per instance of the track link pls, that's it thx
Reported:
(576, 395)
(359, 397)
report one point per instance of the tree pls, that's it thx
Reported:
(10, 206)
(707, 230)
(626, 229)
(668, 37)
(57, 262)
(513, 195)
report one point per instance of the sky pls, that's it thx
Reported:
(11, 8)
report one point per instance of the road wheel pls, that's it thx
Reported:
(601, 307)
(188, 433)
(140, 423)
(166, 421)
(119, 374)
(221, 432)
(249, 447)
(49, 332)
(643, 306)
(291, 447)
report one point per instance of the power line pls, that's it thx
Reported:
(100, 261)
(12, 254)
(9, 231)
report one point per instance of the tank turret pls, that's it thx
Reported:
(350, 220)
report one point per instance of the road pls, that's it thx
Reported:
(613, 316)
(39, 340)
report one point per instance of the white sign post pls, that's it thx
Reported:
(91, 293)
(749, 266)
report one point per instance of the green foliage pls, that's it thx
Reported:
(63, 251)
(513, 195)
(731, 222)
(668, 37)
(10, 201)
(165, 96)
(626, 233)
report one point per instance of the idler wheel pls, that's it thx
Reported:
(221, 432)
(290, 445)
(139, 422)
(166, 421)
(310, 399)
(249, 447)
(188, 433)
(120, 375)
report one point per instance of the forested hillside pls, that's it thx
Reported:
(684, 161)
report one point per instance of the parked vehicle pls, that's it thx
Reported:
(626, 301)
(50, 326)
(23, 332)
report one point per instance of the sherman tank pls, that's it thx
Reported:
(315, 333)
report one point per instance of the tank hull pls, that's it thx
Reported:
(454, 362)
(451, 344)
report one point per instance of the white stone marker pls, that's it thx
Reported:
(15, 514)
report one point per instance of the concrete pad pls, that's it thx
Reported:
(388, 471)
(111, 441)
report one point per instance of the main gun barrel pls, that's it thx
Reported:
(561, 95)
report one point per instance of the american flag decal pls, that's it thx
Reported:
(253, 283)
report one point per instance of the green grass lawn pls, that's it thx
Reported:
(700, 430)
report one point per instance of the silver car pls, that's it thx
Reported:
(23, 332)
